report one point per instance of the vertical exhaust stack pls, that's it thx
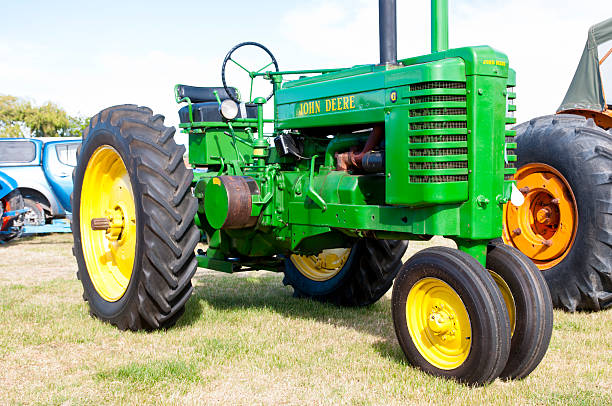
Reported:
(439, 25)
(387, 28)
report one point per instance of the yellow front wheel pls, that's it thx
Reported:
(449, 316)
(133, 223)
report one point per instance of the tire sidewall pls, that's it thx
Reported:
(111, 137)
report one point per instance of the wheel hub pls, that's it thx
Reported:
(113, 223)
(438, 323)
(544, 227)
(441, 321)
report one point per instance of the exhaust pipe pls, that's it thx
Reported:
(439, 25)
(387, 29)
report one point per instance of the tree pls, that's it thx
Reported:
(19, 118)
(12, 116)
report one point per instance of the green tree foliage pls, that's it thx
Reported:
(19, 118)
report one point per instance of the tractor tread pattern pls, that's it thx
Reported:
(582, 152)
(169, 232)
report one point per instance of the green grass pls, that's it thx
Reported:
(152, 372)
(245, 340)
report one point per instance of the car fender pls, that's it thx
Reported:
(32, 177)
(7, 184)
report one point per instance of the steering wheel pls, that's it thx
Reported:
(252, 74)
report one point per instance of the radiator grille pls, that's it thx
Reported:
(437, 85)
(432, 162)
(439, 111)
(438, 151)
(437, 125)
(438, 138)
(438, 178)
(437, 98)
(438, 165)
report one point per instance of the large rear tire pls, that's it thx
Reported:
(565, 226)
(353, 277)
(130, 177)
(449, 316)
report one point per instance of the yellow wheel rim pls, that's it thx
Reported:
(438, 323)
(324, 266)
(544, 227)
(107, 193)
(508, 299)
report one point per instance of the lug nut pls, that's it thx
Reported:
(517, 231)
(524, 189)
(547, 243)
(555, 201)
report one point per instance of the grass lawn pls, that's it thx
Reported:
(245, 340)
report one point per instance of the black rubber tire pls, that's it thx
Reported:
(582, 153)
(490, 338)
(532, 307)
(10, 202)
(166, 235)
(366, 277)
(36, 215)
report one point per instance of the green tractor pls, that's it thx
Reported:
(357, 162)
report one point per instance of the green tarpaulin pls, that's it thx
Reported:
(585, 91)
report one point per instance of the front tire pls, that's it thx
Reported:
(529, 306)
(449, 316)
(137, 273)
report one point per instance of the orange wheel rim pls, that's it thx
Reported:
(544, 227)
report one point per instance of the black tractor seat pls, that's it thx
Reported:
(205, 106)
(203, 94)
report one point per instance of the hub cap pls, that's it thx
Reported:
(108, 223)
(438, 323)
(324, 266)
(544, 227)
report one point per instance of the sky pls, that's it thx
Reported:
(85, 56)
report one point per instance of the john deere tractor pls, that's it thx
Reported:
(357, 162)
(565, 174)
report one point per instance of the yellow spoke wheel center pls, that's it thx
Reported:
(544, 227)
(324, 266)
(107, 195)
(438, 323)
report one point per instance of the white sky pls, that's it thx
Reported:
(85, 56)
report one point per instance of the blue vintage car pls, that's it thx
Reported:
(42, 168)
